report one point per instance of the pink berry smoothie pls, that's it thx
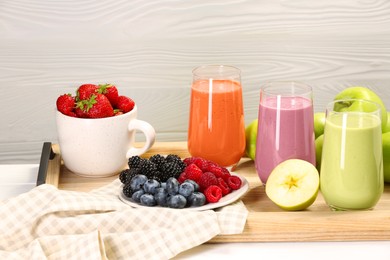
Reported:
(285, 132)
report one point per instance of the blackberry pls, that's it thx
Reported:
(176, 159)
(123, 176)
(148, 168)
(158, 159)
(173, 158)
(127, 190)
(162, 176)
(135, 161)
(156, 176)
(172, 169)
(126, 175)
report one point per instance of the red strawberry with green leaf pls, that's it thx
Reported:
(66, 104)
(85, 91)
(125, 104)
(110, 91)
(81, 109)
(97, 106)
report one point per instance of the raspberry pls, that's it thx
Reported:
(189, 160)
(224, 187)
(207, 179)
(202, 164)
(234, 182)
(193, 172)
(226, 174)
(182, 177)
(217, 170)
(213, 194)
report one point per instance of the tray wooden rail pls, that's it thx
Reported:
(266, 222)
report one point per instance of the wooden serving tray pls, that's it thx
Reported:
(266, 221)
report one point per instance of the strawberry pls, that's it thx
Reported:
(80, 111)
(85, 91)
(66, 104)
(117, 112)
(110, 91)
(97, 106)
(125, 104)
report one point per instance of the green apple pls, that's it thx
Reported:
(386, 156)
(319, 123)
(251, 136)
(318, 143)
(387, 129)
(293, 184)
(362, 93)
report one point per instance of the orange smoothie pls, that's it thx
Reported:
(216, 128)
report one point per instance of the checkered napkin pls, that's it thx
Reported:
(47, 223)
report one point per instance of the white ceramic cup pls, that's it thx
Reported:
(101, 147)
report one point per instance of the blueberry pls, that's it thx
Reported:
(186, 189)
(172, 186)
(196, 186)
(137, 195)
(177, 201)
(148, 200)
(163, 185)
(160, 196)
(196, 199)
(150, 186)
(137, 182)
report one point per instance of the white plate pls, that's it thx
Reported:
(227, 199)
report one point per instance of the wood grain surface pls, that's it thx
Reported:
(266, 221)
(148, 48)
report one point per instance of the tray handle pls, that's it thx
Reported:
(46, 155)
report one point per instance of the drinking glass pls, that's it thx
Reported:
(351, 175)
(216, 129)
(285, 129)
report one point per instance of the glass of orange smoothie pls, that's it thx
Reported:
(216, 129)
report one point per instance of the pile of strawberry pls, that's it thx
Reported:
(213, 180)
(94, 101)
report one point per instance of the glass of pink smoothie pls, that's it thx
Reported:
(285, 129)
(352, 163)
(216, 129)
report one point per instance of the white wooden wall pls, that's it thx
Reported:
(148, 48)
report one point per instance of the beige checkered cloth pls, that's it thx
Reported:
(47, 223)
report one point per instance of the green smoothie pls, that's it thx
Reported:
(352, 168)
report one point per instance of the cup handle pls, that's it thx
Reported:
(149, 133)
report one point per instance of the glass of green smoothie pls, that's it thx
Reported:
(351, 175)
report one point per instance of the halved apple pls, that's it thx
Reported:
(293, 184)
